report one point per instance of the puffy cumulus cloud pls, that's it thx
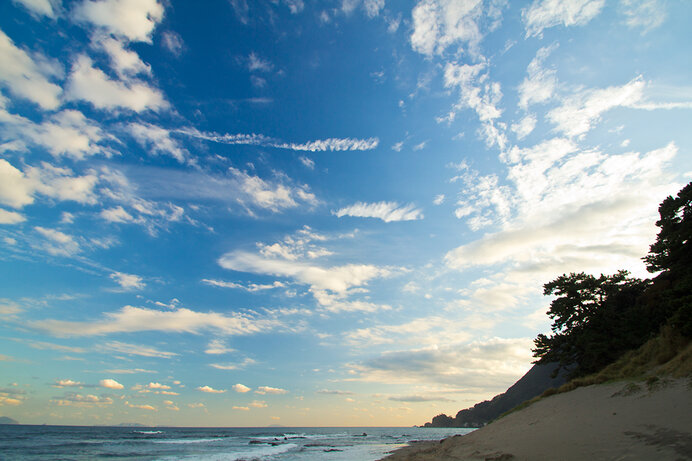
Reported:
(11, 217)
(158, 141)
(11, 396)
(539, 84)
(140, 406)
(157, 386)
(133, 319)
(241, 388)
(90, 84)
(128, 281)
(543, 14)
(23, 77)
(233, 366)
(438, 24)
(80, 400)
(262, 390)
(58, 243)
(15, 189)
(577, 113)
(386, 211)
(133, 20)
(644, 14)
(210, 390)
(60, 383)
(38, 8)
(110, 383)
(126, 63)
(271, 196)
(500, 361)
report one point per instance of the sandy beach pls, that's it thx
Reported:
(617, 421)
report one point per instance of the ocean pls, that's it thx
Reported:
(73, 443)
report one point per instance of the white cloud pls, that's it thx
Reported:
(397, 146)
(498, 361)
(479, 93)
(126, 63)
(439, 199)
(309, 163)
(320, 145)
(210, 390)
(67, 383)
(110, 384)
(525, 126)
(386, 211)
(15, 190)
(11, 217)
(134, 20)
(218, 346)
(577, 113)
(173, 42)
(269, 196)
(133, 319)
(25, 78)
(157, 386)
(67, 133)
(543, 14)
(257, 64)
(332, 144)
(39, 8)
(250, 287)
(262, 390)
(140, 406)
(644, 14)
(241, 388)
(233, 366)
(79, 400)
(116, 214)
(90, 84)
(58, 243)
(134, 349)
(575, 210)
(438, 24)
(158, 140)
(373, 7)
(128, 281)
(337, 279)
(539, 84)
(294, 6)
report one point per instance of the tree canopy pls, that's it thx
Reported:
(597, 319)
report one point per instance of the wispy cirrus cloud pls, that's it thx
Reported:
(543, 14)
(320, 145)
(386, 211)
(133, 319)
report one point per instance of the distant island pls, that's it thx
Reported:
(8, 420)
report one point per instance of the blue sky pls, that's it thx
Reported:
(243, 213)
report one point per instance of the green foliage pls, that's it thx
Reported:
(595, 320)
(671, 255)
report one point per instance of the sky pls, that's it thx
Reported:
(316, 213)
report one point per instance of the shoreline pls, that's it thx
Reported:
(622, 420)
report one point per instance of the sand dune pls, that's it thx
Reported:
(619, 421)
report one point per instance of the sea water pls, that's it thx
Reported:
(76, 443)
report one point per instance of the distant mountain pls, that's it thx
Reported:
(534, 382)
(132, 425)
(8, 420)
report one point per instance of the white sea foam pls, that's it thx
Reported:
(258, 453)
(188, 440)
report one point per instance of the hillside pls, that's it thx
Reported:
(7, 420)
(536, 381)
